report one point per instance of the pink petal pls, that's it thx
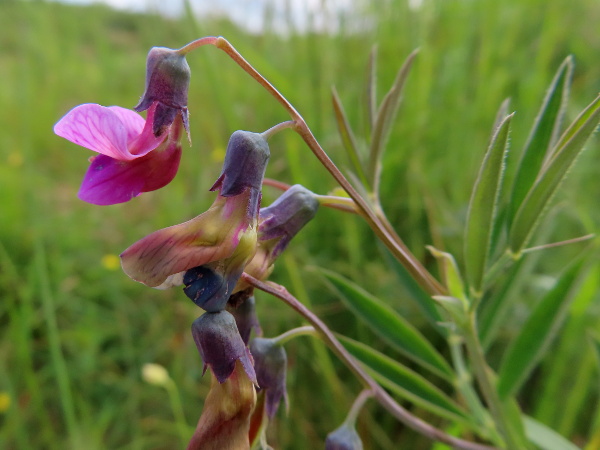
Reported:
(146, 141)
(109, 181)
(132, 121)
(181, 247)
(97, 128)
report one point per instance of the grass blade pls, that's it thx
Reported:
(545, 437)
(553, 172)
(537, 332)
(403, 381)
(385, 116)
(544, 131)
(371, 91)
(347, 135)
(389, 325)
(482, 207)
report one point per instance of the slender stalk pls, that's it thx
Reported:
(464, 385)
(358, 404)
(308, 330)
(177, 408)
(277, 128)
(379, 393)
(485, 380)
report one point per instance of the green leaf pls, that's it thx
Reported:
(423, 300)
(347, 135)
(538, 331)
(545, 437)
(389, 325)
(403, 381)
(452, 278)
(371, 90)
(385, 116)
(552, 173)
(482, 208)
(545, 130)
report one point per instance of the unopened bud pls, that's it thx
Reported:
(167, 83)
(220, 345)
(270, 363)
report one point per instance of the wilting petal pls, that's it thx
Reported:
(225, 420)
(109, 181)
(98, 128)
(211, 236)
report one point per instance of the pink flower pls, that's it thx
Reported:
(131, 158)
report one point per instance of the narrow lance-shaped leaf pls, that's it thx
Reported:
(545, 437)
(569, 146)
(538, 331)
(403, 381)
(423, 300)
(482, 207)
(389, 325)
(545, 131)
(371, 91)
(385, 116)
(347, 135)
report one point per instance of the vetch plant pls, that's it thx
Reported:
(222, 256)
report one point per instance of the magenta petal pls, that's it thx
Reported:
(146, 141)
(97, 128)
(109, 181)
(132, 121)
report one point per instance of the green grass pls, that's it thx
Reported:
(74, 334)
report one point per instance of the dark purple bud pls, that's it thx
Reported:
(244, 167)
(208, 288)
(286, 216)
(270, 363)
(242, 306)
(343, 438)
(220, 345)
(167, 82)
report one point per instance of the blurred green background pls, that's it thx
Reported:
(75, 331)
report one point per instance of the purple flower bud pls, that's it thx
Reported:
(210, 286)
(244, 167)
(220, 345)
(343, 438)
(242, 306)
(287, 215)
(167, 82)
(270, 363)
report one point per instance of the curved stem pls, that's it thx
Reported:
(358, 404)
(394, 244)
(277, 128)
(307, 330)
(379, 393)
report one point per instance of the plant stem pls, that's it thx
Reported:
(307, 330)
(379, 393)
(177, 408)
(486, 383)
(358, 404)
(394, 243)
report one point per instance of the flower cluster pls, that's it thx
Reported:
(207, 254)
